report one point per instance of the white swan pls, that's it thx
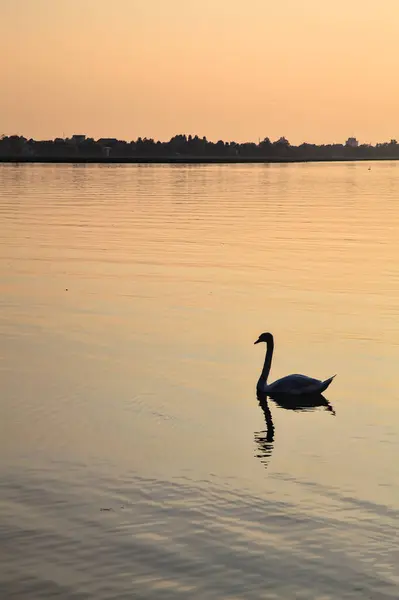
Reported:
(291, 385)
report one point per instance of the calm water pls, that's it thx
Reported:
(130, 300)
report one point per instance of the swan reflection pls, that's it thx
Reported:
(265, 439)
(302, 403)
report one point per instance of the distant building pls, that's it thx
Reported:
(352, 142)
(107, 141)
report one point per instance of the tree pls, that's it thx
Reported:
(282, 141)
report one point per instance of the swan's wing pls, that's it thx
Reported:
(297, 384)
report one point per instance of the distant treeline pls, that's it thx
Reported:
(187, 147)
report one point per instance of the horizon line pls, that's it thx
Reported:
(266, 139)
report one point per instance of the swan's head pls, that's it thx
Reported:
(264, 337)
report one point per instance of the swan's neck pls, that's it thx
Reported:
(268, 361)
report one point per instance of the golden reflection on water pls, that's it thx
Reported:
(130, 297)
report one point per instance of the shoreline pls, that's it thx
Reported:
(184, 160)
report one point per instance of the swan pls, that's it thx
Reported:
(291, 385)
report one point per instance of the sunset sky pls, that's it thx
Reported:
(311, 70)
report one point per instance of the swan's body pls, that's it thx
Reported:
(291, 385)
(294, 385)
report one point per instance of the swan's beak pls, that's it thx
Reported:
(257, 342)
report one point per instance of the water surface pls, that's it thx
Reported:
(134, 458)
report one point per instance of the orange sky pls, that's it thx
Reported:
(312, 70)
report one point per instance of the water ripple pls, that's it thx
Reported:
(133, 457)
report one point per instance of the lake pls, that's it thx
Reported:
(135, 460)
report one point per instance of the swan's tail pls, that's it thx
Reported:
(326, 383)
